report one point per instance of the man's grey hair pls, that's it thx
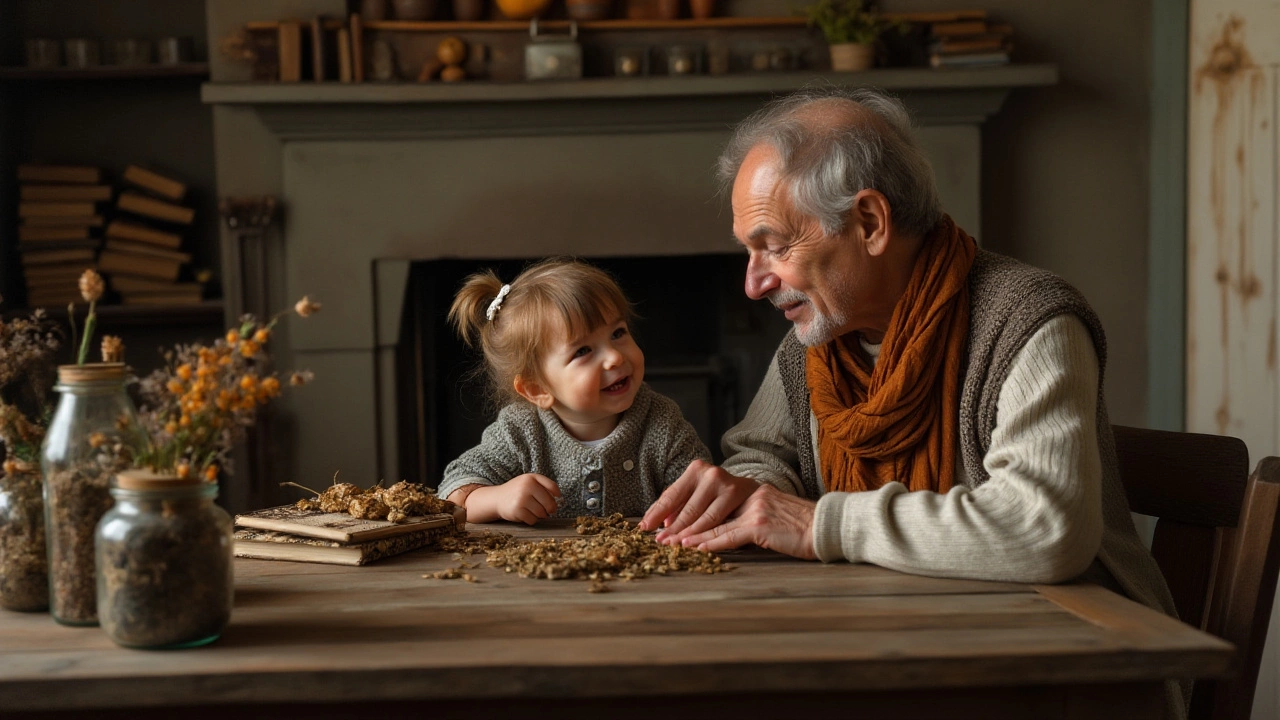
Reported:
(827, 165)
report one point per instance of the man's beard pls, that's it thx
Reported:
(819, 330)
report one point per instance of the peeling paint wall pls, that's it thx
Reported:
(1232, 241)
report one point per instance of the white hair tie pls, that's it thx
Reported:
(496, 305)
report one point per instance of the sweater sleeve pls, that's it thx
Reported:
(1039, 516)
(500, 456)
(763, 446)
(685, 447)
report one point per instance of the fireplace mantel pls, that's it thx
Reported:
(375, 176)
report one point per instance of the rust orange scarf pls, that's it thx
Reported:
(897, 421)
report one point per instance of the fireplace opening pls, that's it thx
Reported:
(706, 345)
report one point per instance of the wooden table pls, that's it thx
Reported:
(774, 638)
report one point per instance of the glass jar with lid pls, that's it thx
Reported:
(93, 434)
(24, 570)
(165, 576)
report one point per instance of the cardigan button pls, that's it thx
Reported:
(593, 486)
(627, 465)
(593, 503)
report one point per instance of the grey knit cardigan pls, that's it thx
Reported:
(649, 450)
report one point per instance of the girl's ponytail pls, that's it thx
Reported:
(467, 314)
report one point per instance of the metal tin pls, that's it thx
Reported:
(552, 57)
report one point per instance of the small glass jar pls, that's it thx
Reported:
(24, 570)
(91, 437)
(165, 577)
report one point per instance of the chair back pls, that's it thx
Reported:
(1216, 542)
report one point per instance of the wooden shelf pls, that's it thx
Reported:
(700, 86)
(107, 72)
(208, 312)
(715, 23)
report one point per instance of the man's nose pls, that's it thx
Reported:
(760, 281)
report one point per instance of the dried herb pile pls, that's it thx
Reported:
(611, 548)
(397, 503)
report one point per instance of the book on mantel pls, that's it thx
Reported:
(288, 533)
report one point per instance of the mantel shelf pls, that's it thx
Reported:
(892, 79)
(192, 70)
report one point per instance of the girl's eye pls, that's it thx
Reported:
(582, 351)
(619, 332)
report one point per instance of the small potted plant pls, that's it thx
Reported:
(164, 551)
(851, 28)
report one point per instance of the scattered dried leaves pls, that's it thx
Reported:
(396, 503)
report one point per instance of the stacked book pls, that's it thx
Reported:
(143, 257)
(969, 43)
(288, 533)
(57, 235)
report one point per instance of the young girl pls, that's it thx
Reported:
(581, 434)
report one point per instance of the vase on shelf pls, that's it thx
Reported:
(373, 10)
(24, 570)
(584, 10)
(468, 10)
(416, 10)
(702, 9)
(523, 9)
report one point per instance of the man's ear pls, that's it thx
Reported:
(869, 219)
(533, 392)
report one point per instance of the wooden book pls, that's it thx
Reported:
(963, 27)
(357, 48)
(289, 42)
(143, 205)
(43, 245)
(48, 257)
(163, 299)
(960, 46)
(54, 209)
(341, 526)
(35, 173)
(165, 187)
(28, 233)
(72, 193)
(272, 545)
(148, 250)
(63, 221)
(318, 54)
(141, 233)
(130, 284)
(344, 55)
(114, 261)
(70, 270)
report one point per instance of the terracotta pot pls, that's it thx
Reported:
(522, 9)
(468, 10)
(702, 9)
(850, 57)
(668, 9)
(588, 9)
(414, 9)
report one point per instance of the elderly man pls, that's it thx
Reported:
(936, 409)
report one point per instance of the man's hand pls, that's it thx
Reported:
(704, 496)
(769, 518)
(524, 498)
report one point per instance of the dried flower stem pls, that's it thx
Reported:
(90, 323)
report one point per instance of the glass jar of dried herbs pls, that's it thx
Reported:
(24, 571)
(93, 434)
(164, 562)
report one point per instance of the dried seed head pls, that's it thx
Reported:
(112, 349)
(91, 286)
(306, 306)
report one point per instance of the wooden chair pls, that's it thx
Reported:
(1216, 541)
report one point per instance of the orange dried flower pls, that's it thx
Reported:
(262, 336)
(175, 387)
(184, 371)
(184, 470)
(271, 386)
(249, 348)
(306, 307)
(248, 383)
(171, 427)
(97, 440)
(233, 337)
(91, 286)
(211, 473)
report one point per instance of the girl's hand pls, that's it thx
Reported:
(525, 498)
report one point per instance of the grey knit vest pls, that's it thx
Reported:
(1009, 301)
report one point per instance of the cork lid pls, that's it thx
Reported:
(91, 372)
(144, 479)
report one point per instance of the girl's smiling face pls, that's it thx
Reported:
(590, 380)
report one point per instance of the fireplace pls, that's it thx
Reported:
(393, 192)
(706, 346)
